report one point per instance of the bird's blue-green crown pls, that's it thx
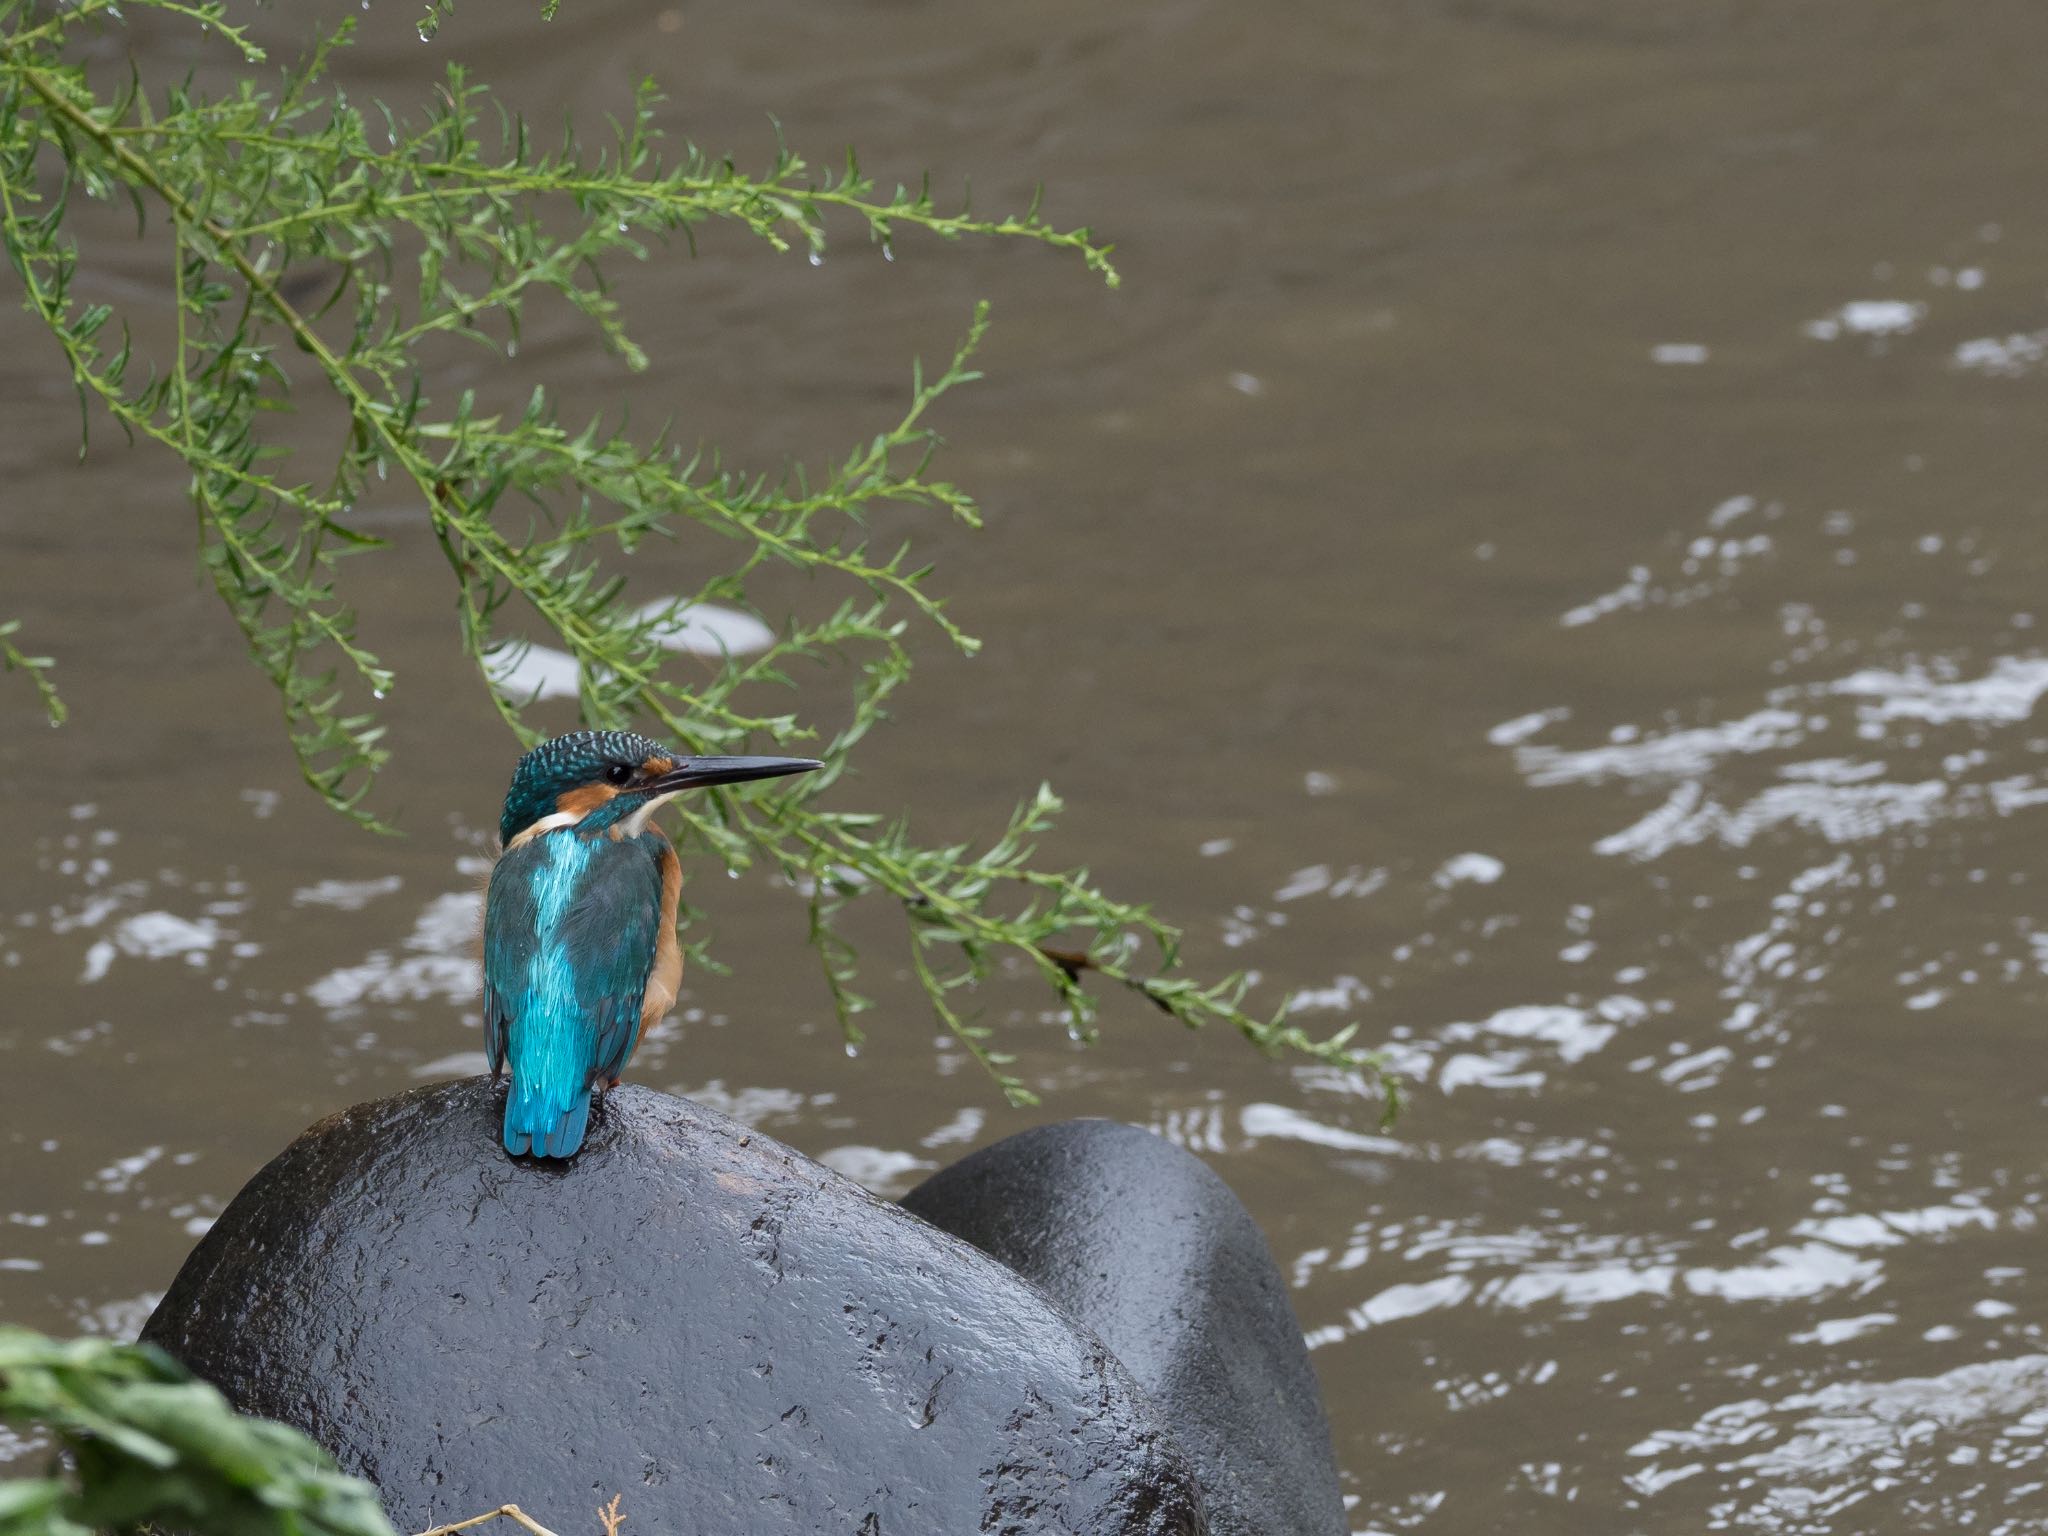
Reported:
(555, 767)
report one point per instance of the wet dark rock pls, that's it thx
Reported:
(692, 1316)
(1145, 1245)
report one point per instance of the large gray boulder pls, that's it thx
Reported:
(687, 1314)
(1148, 1248)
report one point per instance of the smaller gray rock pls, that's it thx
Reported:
(1142, 1243)
(687, 1314)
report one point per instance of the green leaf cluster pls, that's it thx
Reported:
(322, 257)
(144, 1443)
(37, 668)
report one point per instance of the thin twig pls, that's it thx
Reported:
(505, 1511)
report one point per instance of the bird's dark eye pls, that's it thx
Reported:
(619, 773)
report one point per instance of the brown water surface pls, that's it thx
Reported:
(1544, 556)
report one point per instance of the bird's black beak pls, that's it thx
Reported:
(697, 772)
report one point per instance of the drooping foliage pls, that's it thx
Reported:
(320, 253)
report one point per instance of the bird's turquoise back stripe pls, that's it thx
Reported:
(556, 1047)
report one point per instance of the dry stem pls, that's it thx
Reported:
(508, 1511)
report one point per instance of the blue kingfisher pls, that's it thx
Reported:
(580, 951)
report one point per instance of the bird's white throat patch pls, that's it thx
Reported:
(636, 823)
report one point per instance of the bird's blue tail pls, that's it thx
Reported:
(536, 1125)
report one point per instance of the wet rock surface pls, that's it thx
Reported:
(689, 1315)
(1142, 1243)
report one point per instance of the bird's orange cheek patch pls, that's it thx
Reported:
(584, 799)
(655, 767)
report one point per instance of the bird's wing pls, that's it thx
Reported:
(616, 919)
(511, 939)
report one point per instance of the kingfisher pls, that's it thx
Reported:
(580, 950)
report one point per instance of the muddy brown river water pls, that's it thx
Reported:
(1545, 556)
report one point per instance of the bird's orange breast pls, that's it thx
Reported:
(666, 978)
